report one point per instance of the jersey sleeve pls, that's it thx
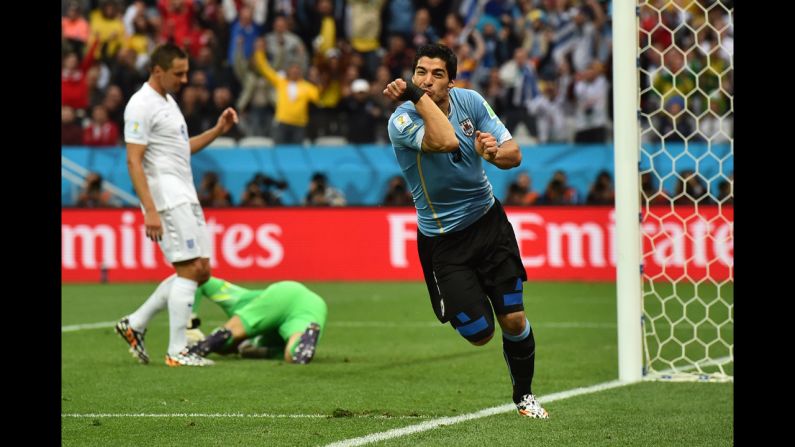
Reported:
(207, 289)
(487, 120)
(406, 129)
(136, 124)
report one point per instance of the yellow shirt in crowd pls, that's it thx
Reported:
(292, 98)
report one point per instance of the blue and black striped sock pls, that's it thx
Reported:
(520, 352)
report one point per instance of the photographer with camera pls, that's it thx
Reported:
(212, 193)
(259, 191)
(322, 194)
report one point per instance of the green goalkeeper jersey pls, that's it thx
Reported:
(230, 297)
(285, 306)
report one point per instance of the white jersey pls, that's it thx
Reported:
(155, 121)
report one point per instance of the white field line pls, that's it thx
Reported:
(435, 423)
(226, 415)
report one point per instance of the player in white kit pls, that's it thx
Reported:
(158, 160)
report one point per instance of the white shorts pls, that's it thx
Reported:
(185, 234)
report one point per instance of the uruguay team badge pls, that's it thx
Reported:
(467, 127)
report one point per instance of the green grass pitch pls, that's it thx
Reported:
(384, 362)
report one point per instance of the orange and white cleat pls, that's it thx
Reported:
(133, 338)
(530, 408)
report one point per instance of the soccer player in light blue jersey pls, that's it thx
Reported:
(467, 248)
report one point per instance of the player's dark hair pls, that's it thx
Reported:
(163, 56)
(438, 51)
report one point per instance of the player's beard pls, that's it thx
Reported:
(173, 91)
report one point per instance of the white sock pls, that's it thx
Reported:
(157, 301)
(180, 305)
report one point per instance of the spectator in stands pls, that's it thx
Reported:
(559, 192)
(96, 82)
(212, 193)
(520, 192)
(256, 97)
(383, 102)
(125, 74)
(74, 78)
(494, 92)
(674, 125)
(548, 108)
(601, 191)
(399, 18)
(315, 23)
(536, 36)
(423, 32)
(456, 32)
(71, 130)
(497, 49)
(330, 72)
(177, 22)
(108, 29)
(518, 77)
(140, 33)
(284, 48)
(467, 64)
(675, 78)
(365, 30)
(398, 57)
(101, 131)
(363, 113)
(74, 28)
(222, 99)
(590, 91)
(91, 193)
(397, 193)
(211, 17)
(589, 19)
(217, 71)
(114, 104)
(320, 193)
(293, 95)
(199, 88)
(193, 110)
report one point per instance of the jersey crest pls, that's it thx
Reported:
(467, 127)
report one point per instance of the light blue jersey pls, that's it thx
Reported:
(450, 190)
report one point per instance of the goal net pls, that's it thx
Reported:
(685, 64)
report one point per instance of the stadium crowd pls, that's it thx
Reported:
(543, 65)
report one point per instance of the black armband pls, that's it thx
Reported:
(412, 92)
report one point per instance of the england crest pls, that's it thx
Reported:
(467, 127)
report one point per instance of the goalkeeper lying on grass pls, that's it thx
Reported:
(285, 317)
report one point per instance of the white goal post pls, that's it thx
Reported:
(674, 157)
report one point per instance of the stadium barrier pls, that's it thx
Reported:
(362, 172)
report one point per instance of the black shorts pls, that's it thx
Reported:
(465, 270)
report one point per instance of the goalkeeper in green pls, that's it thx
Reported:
(284, 317)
